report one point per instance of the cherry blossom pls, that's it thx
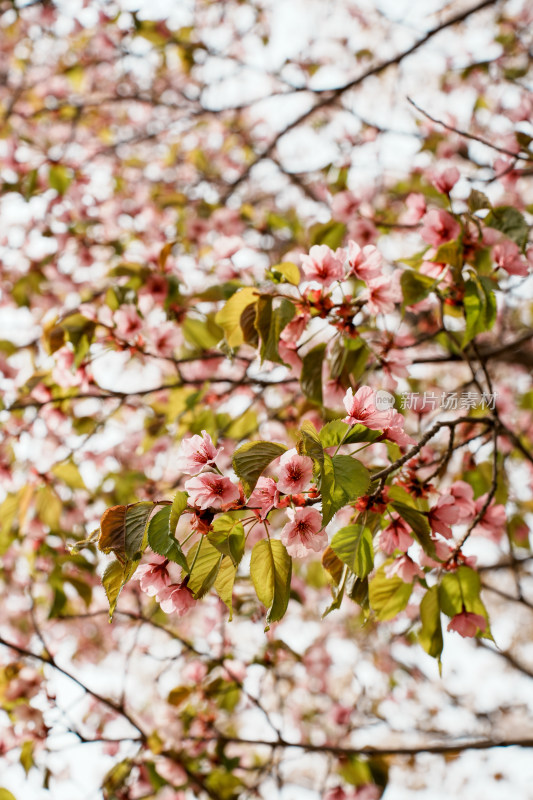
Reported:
(265, 496)
(322, 265)
(302, 534)
(467, 624)
(494, 520)
(211, 491)
(439, 227)
(507, 255)
(382, 294)
(153, 577)
(195, 453)
(361, 408)
(396, 536)
(176, 599)
(365, 263)
(295, 473)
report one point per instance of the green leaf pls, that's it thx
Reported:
(430, 636)
(123, 530)
(116, 575)
(5, 794)
(242, 426)
(480, 307)
(202, 333)
(344, 480)
(309, 444)
(248, 323)
(477, 201)
(311, 376)
(353, 545)
(59, 178)
(69, 473)
(415, 286)
(162, 541)
(228, 537)
(179, 504)
(206, 566)
(287, 270)
(26, 756)
(330, 233)
(450, 253)
(336, 431)
(510, 222)
(419, 525)
(270, 570)
(229, 316)
(388, 596)
(224, 583)
(270, 323)
(252, 458)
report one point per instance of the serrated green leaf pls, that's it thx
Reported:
(227, 535)
(309, 444)
(224, 584)
(162, 541)
(270, 323)
(123, 530)
(430, 635)
(311, 375)
(252, 458)
(270, 570)
(229, 316)
(287, 270)
(336, 432)
(388, 596)
(510, 222)
(207, 561)
(179, 504)
(330, 233)
(419, 525)
(344, 480)
(353, 545)
(116, 576)
(415, 286)
(450, 253)
(69, 473)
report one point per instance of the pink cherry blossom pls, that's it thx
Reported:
(467, 624)
(416, 208)
(395, 536)
(382, 294)
(463, 494)
(127, 321)
(445, 181)
(264, 496)
(295, 474)
(153, 577)
(322, 265)
(365, 263)
(344, 205)
(211, 491)
(195, 453)
(443, 514)
(394, 431)
(494, 520)
(439, 227)
(176, 599)
(302, 534)
(507, 255)
(361, 408)
(405, 568)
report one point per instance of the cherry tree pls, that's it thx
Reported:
(267, 416)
